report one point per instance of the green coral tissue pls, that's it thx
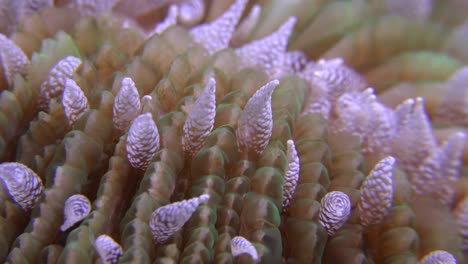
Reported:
(234, 131)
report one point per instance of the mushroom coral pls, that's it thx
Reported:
(267, 131)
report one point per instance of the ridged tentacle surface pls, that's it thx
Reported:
(68, 176)
(346, 176)
(154, 191)
(292, 75)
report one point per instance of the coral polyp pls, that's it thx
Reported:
(233, 131)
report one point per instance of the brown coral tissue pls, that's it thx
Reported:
(234, 131)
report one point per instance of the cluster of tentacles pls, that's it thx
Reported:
(242, 131)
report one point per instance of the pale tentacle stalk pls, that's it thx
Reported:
(334, 77)
(451, 163)
(432, 170)
(127, 104)
(240, 245)
(377, 193)
(413, 141)
(23, 184)
(423, 180)
(246, 26)
(255, 123)
(108, 250)
(216, 35)
(317, 101)
(380, 130)
(403, 112)
(52, 87)
(74, 101)
(362, 115)
(291, 177)
(269, 52)
(440, 171)
(142, 141)
(351, 115)
(147, 104)
(191, 12)
(422, 131)
(76, 208)
(167, 220)
(335, 209)
(170, 20)
(200, 119)
(13, 59)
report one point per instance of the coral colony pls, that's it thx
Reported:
(233, 131)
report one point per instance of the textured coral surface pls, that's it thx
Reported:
(233, 131)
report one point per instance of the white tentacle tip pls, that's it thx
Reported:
(76, 208)
(438, 257)
(108, 250)
(335, 209)
(240, 245)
